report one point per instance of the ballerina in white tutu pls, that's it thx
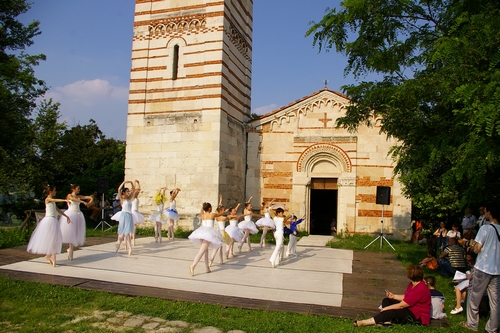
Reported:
(159, 217)
(205, 235)
(47, 238)
(124, 217)
(266, 222)
(136, 216)
(233, 231)
(172, 214)
(221, 223)
(74, 233)
(247, 225)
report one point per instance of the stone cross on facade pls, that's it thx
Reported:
(325, 120)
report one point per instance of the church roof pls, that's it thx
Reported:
(343, 99)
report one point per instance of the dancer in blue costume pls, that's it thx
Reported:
(205, 235)
(74, 233)
(126, 222)
(47, 237)
(172, 214)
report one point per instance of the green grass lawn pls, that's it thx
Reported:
(34, 307)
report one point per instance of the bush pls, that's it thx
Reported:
(10, 237)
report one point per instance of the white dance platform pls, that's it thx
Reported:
(314, 277)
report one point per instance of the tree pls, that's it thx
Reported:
(437, 91)
(19, 89)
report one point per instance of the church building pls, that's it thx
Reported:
(189, 126)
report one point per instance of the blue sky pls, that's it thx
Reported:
(88, 48)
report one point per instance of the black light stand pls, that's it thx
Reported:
(103, 218)
(381, 235)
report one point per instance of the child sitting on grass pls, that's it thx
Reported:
(430, 262)
(437, 298)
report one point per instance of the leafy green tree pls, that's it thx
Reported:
(434, 69)
(19, 89)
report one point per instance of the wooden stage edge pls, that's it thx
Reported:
(177, 295)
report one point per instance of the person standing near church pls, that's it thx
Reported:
(172, 214)
(485, 276)
(278, 235)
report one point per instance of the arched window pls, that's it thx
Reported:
(175, 62)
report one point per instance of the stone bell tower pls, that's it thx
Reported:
(189, 99)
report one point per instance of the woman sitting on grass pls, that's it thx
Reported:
(413, 307)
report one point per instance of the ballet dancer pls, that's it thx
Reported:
(247, 225)
(278, 235)
(266, 222)
(205, 235)
(74, 233)
(125, 220)
(47, 238)
(159, 216)
(172, 214)
(221, 223)
(136, 216)
(233, 231)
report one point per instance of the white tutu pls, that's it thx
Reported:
(207, 233)
(137, 217)
(47, 237)
(266, 221)
(234, 232)
(74, 232)
(248, 224)
(159, 217)
(116, 216)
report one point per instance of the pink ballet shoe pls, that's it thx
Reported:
(211, 262)
(117, 247)
(191, 270)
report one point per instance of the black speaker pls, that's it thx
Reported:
(102, 184)
(383, 195)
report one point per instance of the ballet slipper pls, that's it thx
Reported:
(130, 251)
(208, 270)
(48, 259)
(239, 248)
(230, 256)
(211, 262)
(159, 239)
(191, 270)
(117, 246)
(227, 254)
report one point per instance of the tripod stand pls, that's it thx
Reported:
(103, 218)
(381, 235)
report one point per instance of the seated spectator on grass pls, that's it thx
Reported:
(440, 236)
(437, 298)
(452, 259)
(430, 261)
(413, 307)
(454, 233)
(417, 232)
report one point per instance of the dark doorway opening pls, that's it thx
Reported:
(323, 205)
